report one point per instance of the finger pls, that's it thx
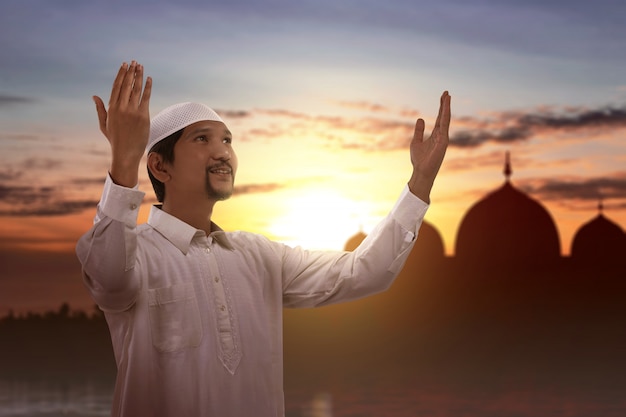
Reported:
(127, 84)
(418, 135)
(438, 121)
(137, 85)
(102, 114)
(117, 84)
(145, 98)
(445, 116)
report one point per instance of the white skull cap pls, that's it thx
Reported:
(176, 117)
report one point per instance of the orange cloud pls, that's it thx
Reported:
(365, 106)
(257, 188)
(393, 132)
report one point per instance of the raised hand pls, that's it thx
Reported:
(126, 124)
(427, 155)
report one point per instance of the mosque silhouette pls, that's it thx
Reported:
(506, 312)
(507, 229)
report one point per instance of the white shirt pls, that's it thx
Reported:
(196, 320)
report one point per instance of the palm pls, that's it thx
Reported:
(427, 154)
(126, 124)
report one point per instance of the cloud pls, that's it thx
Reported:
(7, 100)
(487, 161)
(233, 114)
(378, 109)
(18, 137)
(577, 118)
(38, 201)
(511, 127)
(99, 181)
(57, 208)
(393, 132)
(364, 133)
(284, 113)
(9, 174)
(17, 171)
(21, 194)
(257, 188)
(33, 164)
(364, 106)
(612, 187)
(40, 164)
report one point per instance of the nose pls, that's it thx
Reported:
(222, 152)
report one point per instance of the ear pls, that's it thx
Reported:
(158, 167)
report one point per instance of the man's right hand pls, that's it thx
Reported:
(126, 124)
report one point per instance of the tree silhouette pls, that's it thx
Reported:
(61, 343)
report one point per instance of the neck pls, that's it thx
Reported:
(194, 213)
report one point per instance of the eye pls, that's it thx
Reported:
(201, 139)
(227, 139)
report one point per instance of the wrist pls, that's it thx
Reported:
(420, 186)
(124, 173)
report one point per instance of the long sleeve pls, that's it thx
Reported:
(196, 320)
(107, 252)
(320, 278)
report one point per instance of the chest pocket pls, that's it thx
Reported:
(174, 318)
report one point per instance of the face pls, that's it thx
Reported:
(204, 162)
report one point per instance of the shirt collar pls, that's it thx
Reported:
(181, 234)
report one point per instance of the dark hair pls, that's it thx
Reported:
(165, 148)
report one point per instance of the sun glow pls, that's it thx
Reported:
(319, 219)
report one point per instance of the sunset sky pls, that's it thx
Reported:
(321, 97)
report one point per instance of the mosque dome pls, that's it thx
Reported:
(599, 240)
(354, 241)
(507, 227)
(429, 244)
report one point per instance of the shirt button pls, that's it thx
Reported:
(208, 250)
(222, 307)
(217, 279)
(133, 206)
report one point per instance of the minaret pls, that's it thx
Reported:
(507, 166)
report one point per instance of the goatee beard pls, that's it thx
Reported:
(213, 194)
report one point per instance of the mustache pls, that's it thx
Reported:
(220, 165)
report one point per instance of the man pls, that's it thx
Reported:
(195, 313)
